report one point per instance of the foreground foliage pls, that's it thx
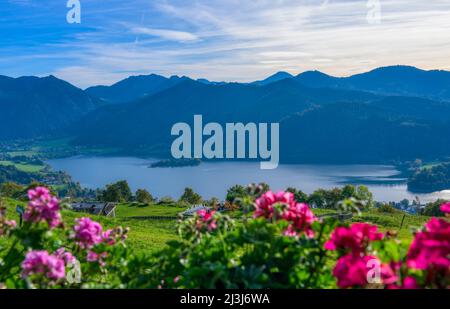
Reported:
(279, 243)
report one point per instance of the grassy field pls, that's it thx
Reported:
(28, 168)
(145, 235)
(151, 235)
(144, 210)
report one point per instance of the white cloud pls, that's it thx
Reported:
(170, 35)
(245, 40)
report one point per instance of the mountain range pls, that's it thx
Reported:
(388, 114)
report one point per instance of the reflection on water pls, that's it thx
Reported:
(213, 179)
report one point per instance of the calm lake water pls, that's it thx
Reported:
(213, 179)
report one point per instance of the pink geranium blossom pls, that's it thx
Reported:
(43, 207)
(299, 216)
(354, 238)
(206, 219)
(391, 277)
(351, 270)
(264, 204)
(87, 232)
(41, 262)
(66, 256)
(96, 257)
(445, 208)
(430, 248)
(301, 219)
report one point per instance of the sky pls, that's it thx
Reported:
(221, 40)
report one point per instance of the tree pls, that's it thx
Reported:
(117, 192)
(11, 189)
(348, 191)
(404, 203)
(236, 192)
(190, 197)
(363, 194)
(213, 203)
(144, 197)
(299, 195)
(433, 209)
(317, 198)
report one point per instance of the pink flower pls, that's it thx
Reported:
(301, 219)
(351, 270)
(264, 204)
(43, 207)
(206, 219)
(96, 257)
(410, 283)
(445, 208)
(390, 274)
(355, 238)
(68, 258)
(6, 226)
(298, 215)
(87, 232)
(108, 238)
(38, 192)
(430, 248)
(40, 262)
(391, 277)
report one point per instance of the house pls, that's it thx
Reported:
(95, 208)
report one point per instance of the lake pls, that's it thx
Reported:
(213, 179)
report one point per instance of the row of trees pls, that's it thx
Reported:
(121, 192)
(320, 198)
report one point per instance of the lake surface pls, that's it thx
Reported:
(213, 179)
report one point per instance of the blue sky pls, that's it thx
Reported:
(231, 40)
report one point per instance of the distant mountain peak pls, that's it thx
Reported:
(274, 78)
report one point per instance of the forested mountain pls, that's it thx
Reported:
(134, 87)
(33, 106)
(148, 121)
(393, 113)
(394, 80)
(360, 133)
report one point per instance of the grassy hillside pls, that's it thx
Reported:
(145, 235)
(24, 167)
(143, 210)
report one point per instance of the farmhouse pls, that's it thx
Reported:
(95, 208)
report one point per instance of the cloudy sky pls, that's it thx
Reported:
(222, 40)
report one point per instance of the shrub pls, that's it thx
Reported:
(434, 209)
(117, 192)
(387, 208)
(190, 197)
(144, 197)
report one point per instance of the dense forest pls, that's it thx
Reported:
(430, 179)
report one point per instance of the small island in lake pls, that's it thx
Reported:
(430, 179)
(176, 163)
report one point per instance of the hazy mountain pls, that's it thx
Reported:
(33, 106)
(134, 87)
(394, 80)
(147, 122)
(273, 78)
(392, 113)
